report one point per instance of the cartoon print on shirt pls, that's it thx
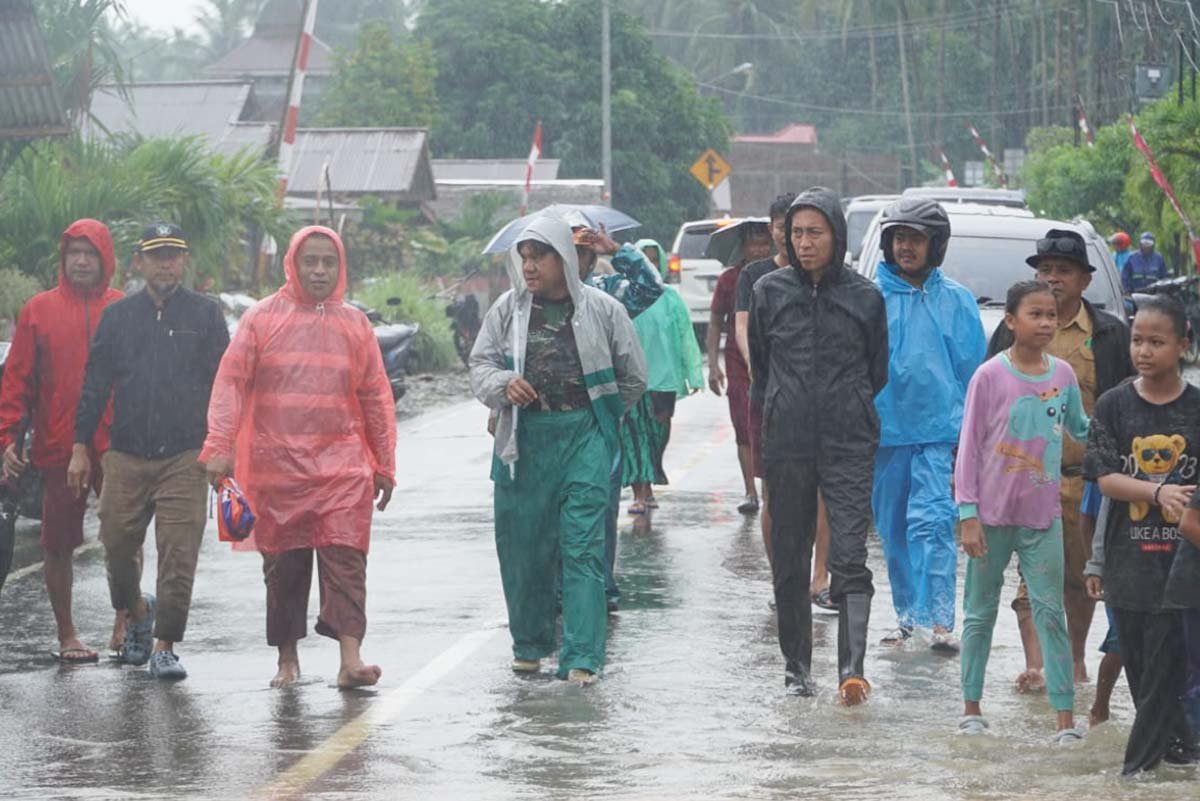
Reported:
(1033, 417)
(1158, 458)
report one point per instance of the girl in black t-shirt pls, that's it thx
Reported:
(1143, 450)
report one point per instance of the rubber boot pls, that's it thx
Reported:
(854, 613)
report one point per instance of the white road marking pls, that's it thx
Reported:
(34, 568)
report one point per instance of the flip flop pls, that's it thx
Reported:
(637, 508)
(76, 656)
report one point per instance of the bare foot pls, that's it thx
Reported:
(1031, 681)
(118, 633)
(1081, 674)
(289, 673)
(73, 650)
(359, 675)
(1097, 716)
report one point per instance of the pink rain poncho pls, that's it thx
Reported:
(303, 402)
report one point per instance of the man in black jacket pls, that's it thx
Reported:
(155, 354)
(1096, 345)
(819, 355)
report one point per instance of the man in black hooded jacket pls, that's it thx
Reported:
(819, 355)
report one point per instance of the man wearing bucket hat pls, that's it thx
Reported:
(155, 353)
(1143, 267)
(1096, 345)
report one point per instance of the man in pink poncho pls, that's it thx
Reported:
(302, 400)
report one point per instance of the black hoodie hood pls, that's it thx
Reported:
(829, 204)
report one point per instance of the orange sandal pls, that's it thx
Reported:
(854, 691)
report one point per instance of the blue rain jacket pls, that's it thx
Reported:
(935, 344)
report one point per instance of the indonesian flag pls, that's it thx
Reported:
(1160, 178)
(535, 153)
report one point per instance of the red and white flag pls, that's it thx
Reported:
(1160, 178)
(1081, 119)
(535, 153)
(987, 154)
(946, 168)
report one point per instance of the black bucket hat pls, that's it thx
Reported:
(1062, 244)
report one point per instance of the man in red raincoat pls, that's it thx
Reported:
(42, 381)
(303, 402)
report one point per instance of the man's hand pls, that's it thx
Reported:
(604, 244)
(1174, 498)
(716, 379)
(217, 468)
(520, 392)
(14, 465)
(79, 471)
(973, 540)
(383, 491)
(1095, 587)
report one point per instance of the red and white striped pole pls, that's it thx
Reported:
(287, 137)
(535, 153)
(946, 168)
(987, 154)
(1081, 119)
(287, 132)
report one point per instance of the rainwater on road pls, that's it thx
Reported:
(691, 704)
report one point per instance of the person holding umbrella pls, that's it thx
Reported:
(559, 363)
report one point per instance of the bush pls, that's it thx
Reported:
(433, 350)
(15, 289)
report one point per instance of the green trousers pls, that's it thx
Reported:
(555, 508)
(1040, 555)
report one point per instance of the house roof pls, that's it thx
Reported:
(30, 104)
(388, 162)
(490, 170)
(175, 108)
(794, 134)
(270, 57)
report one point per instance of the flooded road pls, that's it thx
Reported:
(691, 704)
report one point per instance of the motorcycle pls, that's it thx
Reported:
(464, 324)
(20, 496)
(1184, 290)
(395, 343)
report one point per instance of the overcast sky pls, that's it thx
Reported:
(164, 15)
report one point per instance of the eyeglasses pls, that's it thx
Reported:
(1058, 244)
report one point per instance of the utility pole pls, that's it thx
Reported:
(912, 144)
(606, 100)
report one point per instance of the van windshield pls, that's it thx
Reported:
(694, 241)
(988, 266)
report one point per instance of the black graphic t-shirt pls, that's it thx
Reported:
(1147, 562)
(552, 365)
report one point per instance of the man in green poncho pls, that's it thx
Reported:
(675, 369)
(560, 363)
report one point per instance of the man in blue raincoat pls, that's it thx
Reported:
(935, 343)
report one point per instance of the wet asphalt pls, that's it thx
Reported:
(691, 704)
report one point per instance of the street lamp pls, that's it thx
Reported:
(740, 69)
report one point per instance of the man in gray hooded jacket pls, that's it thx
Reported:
(560, 363)
(819, 355)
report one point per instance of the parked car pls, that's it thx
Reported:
(987, 252)
(860, 211)
(694, 275)
(979, 195)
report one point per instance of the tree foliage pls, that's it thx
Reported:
(128, 183)
(504, 65)
(383, 81)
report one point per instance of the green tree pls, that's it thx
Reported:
(504, 65)
(127, 183)
(383, 81)
(82, 49)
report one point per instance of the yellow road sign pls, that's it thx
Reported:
(710, 169)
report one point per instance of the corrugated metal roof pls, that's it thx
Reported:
(389, 162)
(270, 57)
(177, 108)
(487, 170)
(30, 104)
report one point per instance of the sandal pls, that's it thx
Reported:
(139, 636)
(76, 656)
(651, 503)
(899, 636)
(972, 724)
(823, 602)
(637, 508)
(749, 505)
